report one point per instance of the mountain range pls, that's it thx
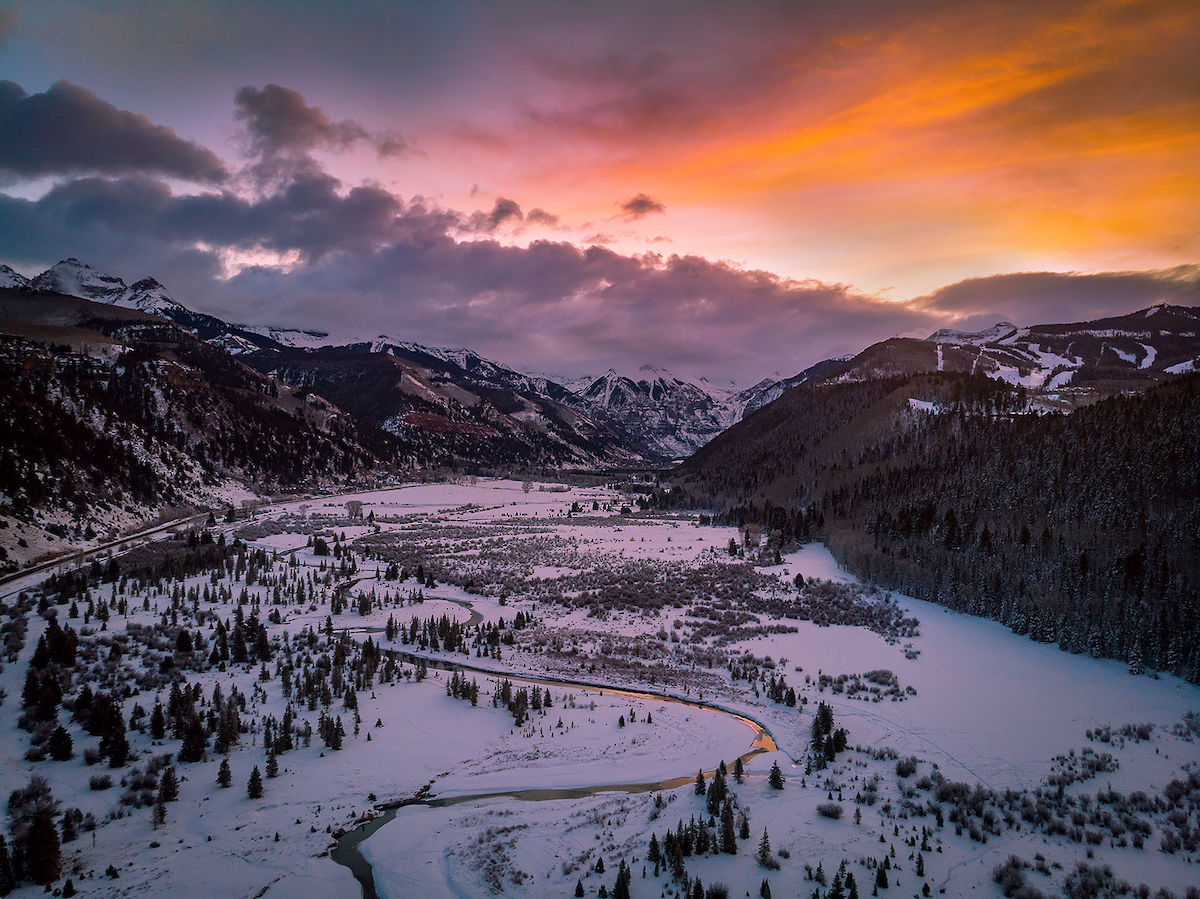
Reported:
(443, 394)
(648, 416)
(205, 391)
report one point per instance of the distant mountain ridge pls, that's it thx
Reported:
(479, 411)
(678, 415)
(406, 387)
(1063, 364)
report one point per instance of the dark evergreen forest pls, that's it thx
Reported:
(1080, 529)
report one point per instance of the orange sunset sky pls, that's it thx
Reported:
(747, 187)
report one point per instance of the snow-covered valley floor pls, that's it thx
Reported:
(1016, 748)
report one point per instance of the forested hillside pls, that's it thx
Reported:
(111, 413)
(435, 404)
(1079, 529)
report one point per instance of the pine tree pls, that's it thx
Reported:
(1137, 664)
(764, 891)
(763, 856)
(158, 722)
(43, 853)
(700, 782)
(8, 882)
(224, 775)
(194, 739)
(168, 787)
(621, 888)
(739, 772)
(114, 744)
(60, 745)
(775, 779)
(728, 840)
(272, 764)
(254, 788)
(579, 888)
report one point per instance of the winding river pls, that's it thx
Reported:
(347, 851)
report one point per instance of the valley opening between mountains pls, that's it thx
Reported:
(299, 615)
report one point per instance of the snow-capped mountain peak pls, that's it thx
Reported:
(77, 279)
(13, 279)
(148, 295)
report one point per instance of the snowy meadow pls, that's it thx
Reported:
(548, 692)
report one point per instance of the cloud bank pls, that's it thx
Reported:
(68, 129)
(305, 249)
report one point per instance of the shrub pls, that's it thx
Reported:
(829, 810)
(100, 782)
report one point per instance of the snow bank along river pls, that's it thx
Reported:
(347, 851)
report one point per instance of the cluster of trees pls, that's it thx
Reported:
(459, 688)
(826, 740)
(47, 678)
(432, 633)
(35, 853)
(715, 831)
(522, 701)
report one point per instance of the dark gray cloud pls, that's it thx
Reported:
(68, 129)
(538, 216)
(283, 130)
(504, 211)
(640, 206)
(1045, 297)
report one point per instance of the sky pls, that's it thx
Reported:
(734, 190)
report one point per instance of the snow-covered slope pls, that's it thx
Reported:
(292, 337)
(670, 416)
(1084, 358)
(995, 332)
(76, 279)
(148, 295)
(1148, 340)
